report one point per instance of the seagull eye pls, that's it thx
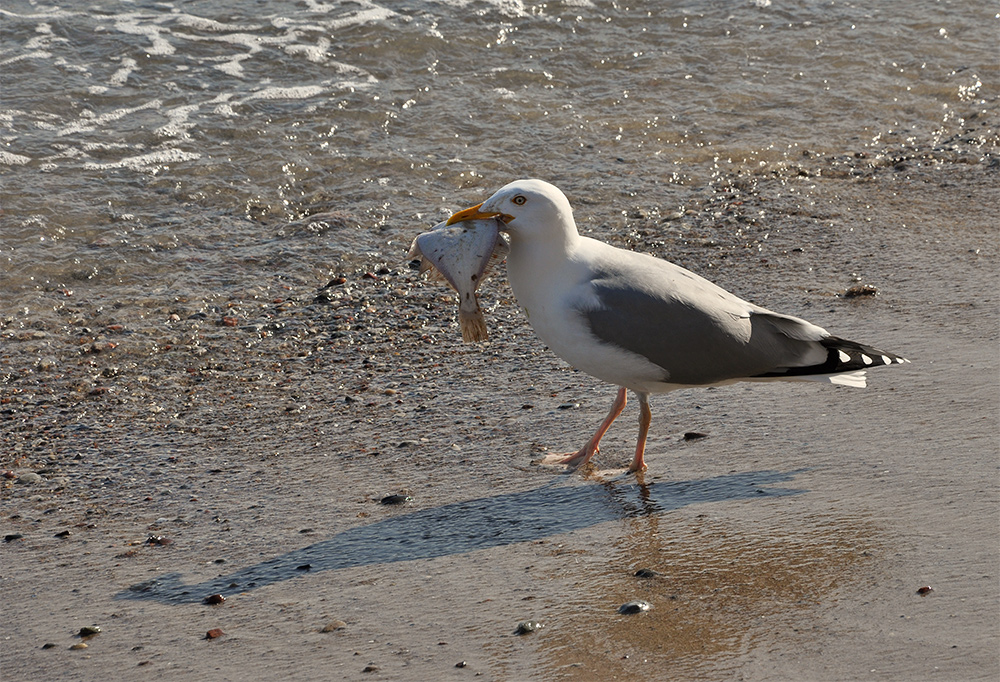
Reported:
(519, 200)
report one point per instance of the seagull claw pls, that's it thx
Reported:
(571, 460)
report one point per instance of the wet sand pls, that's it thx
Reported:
(256, 440)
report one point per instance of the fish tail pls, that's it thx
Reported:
(473, 325)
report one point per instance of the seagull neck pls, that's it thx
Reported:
(550, 241)
(534, 258)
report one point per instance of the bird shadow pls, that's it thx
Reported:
(470, 525)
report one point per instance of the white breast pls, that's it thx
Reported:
(552, 288)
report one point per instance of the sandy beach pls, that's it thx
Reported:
(197, 456)
(241, 437)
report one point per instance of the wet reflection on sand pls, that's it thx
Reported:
(724, 586)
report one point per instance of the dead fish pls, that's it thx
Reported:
(463, 253)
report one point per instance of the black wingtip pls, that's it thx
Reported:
(843, 356)
(848, 356)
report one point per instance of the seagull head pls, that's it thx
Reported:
(527, 208)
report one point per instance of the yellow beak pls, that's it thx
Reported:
(474, 213)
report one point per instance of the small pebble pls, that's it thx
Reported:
(370, 669)
(214, 599)
(62, 534)
(89, 631)
(395, 499)
(694, 435)
(461, 664)
(29, 478)
(79, 645)
(304, 567)
(12, 536)
(48, 645)
(645, 573)
(631, 607)
(527, 626)
(861, 290)
(334, 625)
(926, 589)
(214, 633)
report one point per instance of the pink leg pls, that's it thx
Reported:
(645, 416)
(583, 455)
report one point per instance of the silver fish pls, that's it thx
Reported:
(463, 253)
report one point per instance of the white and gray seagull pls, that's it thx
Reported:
(645, 324)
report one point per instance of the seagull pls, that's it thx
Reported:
(645, 324)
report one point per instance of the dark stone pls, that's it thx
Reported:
(637, 606)
(527, 626)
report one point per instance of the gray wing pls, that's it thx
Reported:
(695, 331)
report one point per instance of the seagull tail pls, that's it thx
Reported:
(852, 379)
(846, 362)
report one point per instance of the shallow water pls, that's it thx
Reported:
(208, 331)
(175, 141)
